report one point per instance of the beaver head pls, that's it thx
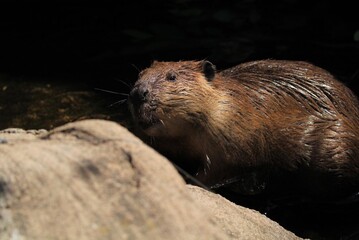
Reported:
(166, 101)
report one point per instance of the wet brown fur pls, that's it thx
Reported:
(273, 116)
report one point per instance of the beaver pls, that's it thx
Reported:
(272, 125)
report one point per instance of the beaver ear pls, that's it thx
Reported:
(209, 70)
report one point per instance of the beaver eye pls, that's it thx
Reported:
(171, 76)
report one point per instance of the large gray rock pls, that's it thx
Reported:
(239, 222)
(94, 180)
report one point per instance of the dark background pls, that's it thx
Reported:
(101, 40)
(53, 55)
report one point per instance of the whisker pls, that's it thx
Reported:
(118, 102)
(133, 65)
(112, 92)
(130, 86)
(163, 123)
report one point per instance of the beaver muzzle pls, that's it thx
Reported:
(143, 107)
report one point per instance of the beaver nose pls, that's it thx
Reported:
(139, 94)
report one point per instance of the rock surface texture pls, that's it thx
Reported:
(93, 179)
